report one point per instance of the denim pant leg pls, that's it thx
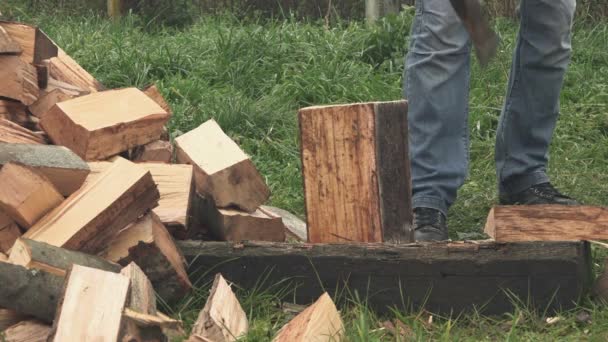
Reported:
(531, 107)
(436, 84)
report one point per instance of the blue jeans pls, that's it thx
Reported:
(436, 84)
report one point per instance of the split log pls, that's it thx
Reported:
(61, 166)
(319, 322)
(32, 293)
(295, 227)
(26, 195)
(158, 151)
(222, 319)
(90, 218)
(439, 277)
(34, 43)
(7, 44)
(356, 172)
(47, 100)
(103, 124)
(153, 92)
(72, 90)
(9, 232)
(65, 69)
(9, 318)
(148, 243)
(12, 133)
(19, 80)
(27, 331)
(547, 223)
(91, 306)
(236, 225)
(222, 171)
(41, 256)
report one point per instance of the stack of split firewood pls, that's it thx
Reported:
(93, 193)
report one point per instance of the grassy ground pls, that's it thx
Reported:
(253, 76)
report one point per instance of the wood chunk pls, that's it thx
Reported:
(9, 318)
(9, 232)
(72, 90)
(236, 225)
(296, 228)
(91, 306)
(29, 293)
(61, 166)
(222, 319)
(13, 133)
(26, 195)
(90, 218)
(63, 68)
(41, 256)
(319, 322)
(19, 80)
(222, 171)
(46, 101)
(103, 124)
(148, 243)
(547, 223)
(24, 36)
(153, 92)
(175, 185)
(3, 257)
(158, 151)
(356, 172)
(7, 44)
(27, 331)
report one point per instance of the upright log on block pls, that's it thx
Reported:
(356, 172)
(7, 44)
(26, 195)
(61, 166)
(148, 243)
(222, 171)
(91, 306)
(9, 232)
(88, 220)
(27, 331)
(319, 322)
(19, 80)
(12, 133)
(41, 256)
(222, 319)
(103, 124)
(547, 223)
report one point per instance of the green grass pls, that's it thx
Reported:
(253, 76)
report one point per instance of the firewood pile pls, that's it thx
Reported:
(93, 195)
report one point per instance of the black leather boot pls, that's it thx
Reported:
(429, 225)
(543, 193)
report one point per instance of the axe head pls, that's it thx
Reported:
(485, 40)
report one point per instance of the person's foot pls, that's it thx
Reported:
(543, 193)
(429, 225)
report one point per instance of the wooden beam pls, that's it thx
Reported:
(61, 166)
(26, 195)
(89, 219)
(27, 331)
(158, 151)
(356, 172)
(91, 306)
(222, 171)
(547, 223)
(19, 80)
(41, 256)
(100, 125)
(442, 277)
(319, 322)
(222, 319)
(148, 243)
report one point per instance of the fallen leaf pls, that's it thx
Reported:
(553, 320)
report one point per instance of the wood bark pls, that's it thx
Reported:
(88, 220)
(47, 100)
(9, 232)
(158, 151)
(41, 256)
(29, 292)
(319, 322)
(547, 223)
(61, 166)
(19, 80)
(26, 195)
(356, 172)
(27, 331)
(148, 243)
(441, 277)
(91, 306)
(222, 171)
(7, 44)
(222, 319)
(103, 124)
